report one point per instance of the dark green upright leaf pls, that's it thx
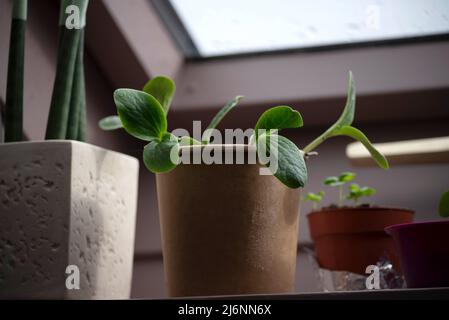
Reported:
(14, 86)
(443, 206)
(75, 130)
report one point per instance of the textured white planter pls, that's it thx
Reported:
(66, 203)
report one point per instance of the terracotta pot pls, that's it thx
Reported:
(226, 229)
(424, 252)
(352, 238)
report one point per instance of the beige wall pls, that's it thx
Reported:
(416, 187)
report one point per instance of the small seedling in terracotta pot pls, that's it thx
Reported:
(424, 259)
(352, 237)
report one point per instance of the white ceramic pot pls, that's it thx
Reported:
(66, 203)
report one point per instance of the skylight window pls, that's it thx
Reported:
(218, 27)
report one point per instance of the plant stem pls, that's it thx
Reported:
(314, 206)
(340, 196)
(14, 87)
(78, 96)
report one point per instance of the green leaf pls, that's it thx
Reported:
(359, 136)
(219, 116)
(367, 191)
(281, 117)
(315, 197)
(188, 141)
(332, 181)
(141, 114)
(291, 166)
(157, 154)
(110, 123)
(346, 176)
(443, 207)
(162, 89)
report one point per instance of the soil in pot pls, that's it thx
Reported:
(424, 252)
(353, 238)
(226, 229)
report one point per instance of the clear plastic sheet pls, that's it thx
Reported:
(346, 281)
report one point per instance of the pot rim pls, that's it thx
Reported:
(418, 224)
(330, 210)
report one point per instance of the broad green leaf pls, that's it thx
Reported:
(157, 154)
(281, 117)
(162, 89)
(188, 141)
(346, 176)
(141, 114)
(367, 191)
(291, 166)
(359, 136)
(443, 207)
(110, 123)
(219, 116)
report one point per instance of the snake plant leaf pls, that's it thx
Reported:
(162, 156)
(162, 89)
(141, 114)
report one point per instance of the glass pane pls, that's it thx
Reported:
(221, 27)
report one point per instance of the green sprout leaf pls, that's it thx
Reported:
(356, 192)
(157, 155)
(162, 89)
(332, 181)
(343, 127)
(443, 207)
(281, 117)
(110, 123)
(219, 116)
(315, 198)
(346, 176)
(291, 166)
(141, 114)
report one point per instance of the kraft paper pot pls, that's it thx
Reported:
(424, 252)
(226, 229)
(353, 238)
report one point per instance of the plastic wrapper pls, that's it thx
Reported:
(330, 280)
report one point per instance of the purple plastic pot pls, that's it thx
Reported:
(423, 248)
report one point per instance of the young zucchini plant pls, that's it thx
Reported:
(143, 114)
(356, 192)
(315, 198)
(339, 182)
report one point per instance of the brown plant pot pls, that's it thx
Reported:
(353, 238)
(226, 229)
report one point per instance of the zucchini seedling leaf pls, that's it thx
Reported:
(218, 117)
(188, 141)
(141, 114)
(343, 128)
(162, 156)
(162, 89)
(443, 207)
(291, 167)
(110, 123)
(281, 117)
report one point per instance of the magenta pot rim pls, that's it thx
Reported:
(409, 225)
